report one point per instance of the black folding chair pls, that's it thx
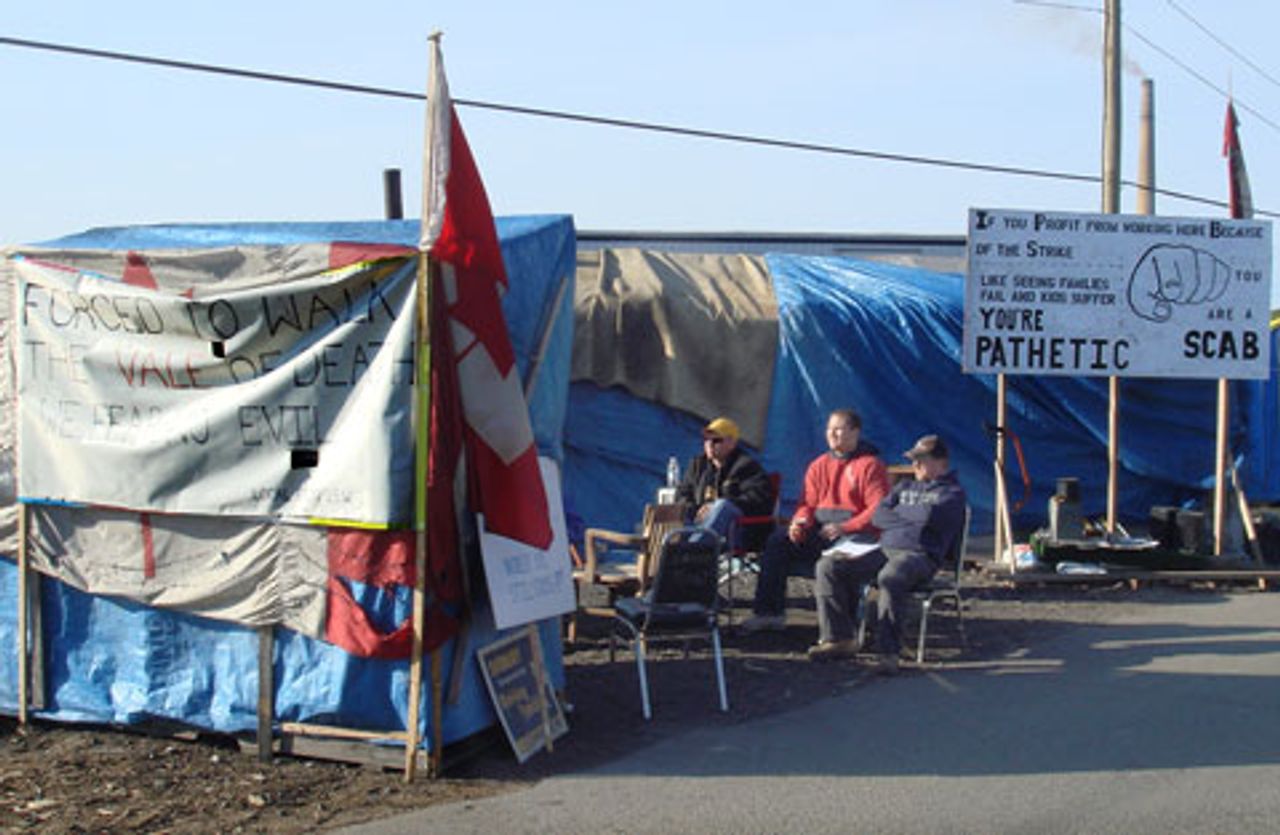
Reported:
(683, 604)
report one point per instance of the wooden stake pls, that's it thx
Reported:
(1113, 450)
(1004, 521)
(1246, 518)
(266, 690)
(540, 673)
(1001, 499)
(437, 713)
(1219, 467)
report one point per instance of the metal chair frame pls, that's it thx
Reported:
(684, 604)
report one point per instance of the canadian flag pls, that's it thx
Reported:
(458, 233)
(1241, 197)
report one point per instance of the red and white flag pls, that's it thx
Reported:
(458, 232)
(1241, 199)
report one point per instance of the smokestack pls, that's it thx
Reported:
(1147, 151)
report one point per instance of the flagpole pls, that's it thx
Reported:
(1240, 206)
(421, 448)
(421, 457)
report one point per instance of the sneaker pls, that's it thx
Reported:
(830, 650)
(887, 665)
(765, 623)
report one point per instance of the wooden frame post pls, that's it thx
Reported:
(24, 655)
(266, 690)
(1001, 496)
(1219, 467)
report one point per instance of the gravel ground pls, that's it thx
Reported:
(64, 779)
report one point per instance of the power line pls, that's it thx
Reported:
(209, 68)
(1222, 43)
(1175, 60)
(1225, 94)
(596, 120)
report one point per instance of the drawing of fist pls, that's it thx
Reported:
(1169, 274)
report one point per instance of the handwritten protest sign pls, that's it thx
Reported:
(513, 671)
(528, 584)
(253, 398)
(1117, 295)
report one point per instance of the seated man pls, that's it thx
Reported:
(724, 483)
(841, 490)
(919, 524)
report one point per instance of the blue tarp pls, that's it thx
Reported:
(886, 340)
(114, 661)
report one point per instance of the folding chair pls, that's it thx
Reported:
(946, 584)
(599, 582)
(682, 605)
(747, 539)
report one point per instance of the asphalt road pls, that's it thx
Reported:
(1164, 720)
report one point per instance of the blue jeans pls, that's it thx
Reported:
(722, 517)
(903, 572)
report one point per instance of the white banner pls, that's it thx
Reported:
(1117, 295)
(262, 397)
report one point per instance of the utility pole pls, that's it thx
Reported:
(1111, 112)
(1111, 205)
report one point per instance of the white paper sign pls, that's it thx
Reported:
(526, 584)
(1117, 295)
(257, 398)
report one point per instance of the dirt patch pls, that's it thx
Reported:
(69, 779)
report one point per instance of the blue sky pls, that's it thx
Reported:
(91, 143)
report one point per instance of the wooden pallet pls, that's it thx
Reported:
(1264, 579)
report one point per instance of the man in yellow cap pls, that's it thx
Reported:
(724, 483)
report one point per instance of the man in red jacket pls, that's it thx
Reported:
(842, 488)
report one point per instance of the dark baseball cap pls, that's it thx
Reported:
(929, 446)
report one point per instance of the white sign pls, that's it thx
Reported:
(525, 583)
(254, 398)
(1117, 295)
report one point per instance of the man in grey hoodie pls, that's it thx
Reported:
(920, 521)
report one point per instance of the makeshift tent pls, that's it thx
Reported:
(192, 657)
(823, 332)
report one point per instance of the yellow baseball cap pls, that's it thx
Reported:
(721, 427)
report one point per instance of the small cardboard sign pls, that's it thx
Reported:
(522, 696)
(527, 584)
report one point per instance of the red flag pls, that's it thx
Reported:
(458, 231)
(383, 559)
(1237, 178)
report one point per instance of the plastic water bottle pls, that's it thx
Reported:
(673, 472)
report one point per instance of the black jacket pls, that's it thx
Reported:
(741, 480)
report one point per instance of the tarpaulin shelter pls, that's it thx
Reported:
(666, 341)
(154, 615)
